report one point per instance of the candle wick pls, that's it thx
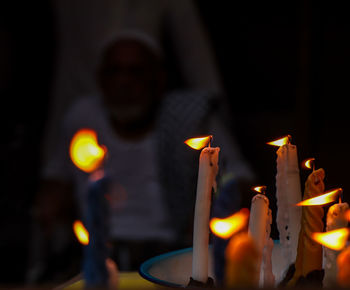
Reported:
(340, 194)
(210, 139)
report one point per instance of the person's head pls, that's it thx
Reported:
(131, 78)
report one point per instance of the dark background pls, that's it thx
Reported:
(285, 66)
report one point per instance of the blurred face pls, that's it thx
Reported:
(131, 80)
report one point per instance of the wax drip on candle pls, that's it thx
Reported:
(258, 222)
(207, 171)
(288, 193)
(267, 278)
(309, 255)
(88, 155)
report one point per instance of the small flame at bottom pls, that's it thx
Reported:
(81, 232)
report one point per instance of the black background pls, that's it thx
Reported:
(285, 66)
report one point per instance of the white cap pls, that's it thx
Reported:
(131, 34)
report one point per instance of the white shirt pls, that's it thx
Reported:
(138, 210)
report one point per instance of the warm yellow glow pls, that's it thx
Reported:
(280, 142)
(198, 143)
(85, 151)
(335, 240)
(260, 189)
(225, 228)
(81, 233)
(309, 163)
(323, 199)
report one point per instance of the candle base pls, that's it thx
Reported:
(288, 276)
(313, 279)
(194, 284)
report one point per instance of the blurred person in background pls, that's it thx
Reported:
(82, 25)
(153, 174)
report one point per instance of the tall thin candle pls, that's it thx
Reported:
(208, 169)
(258, 222)
(288, 194)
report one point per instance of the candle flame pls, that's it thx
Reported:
(323, 199)
(308, 163)
(335, 240)
(81, 232)
(199, 142)
(85, 151)
(225, 228)
(260, 189)
(280, 142)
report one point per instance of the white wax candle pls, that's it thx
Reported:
(208, 169)
(258, 220)
(257, 227)
(335, 220)
(288, 194)
(267, 278)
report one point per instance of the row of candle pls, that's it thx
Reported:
(296, 226)
(253, 248)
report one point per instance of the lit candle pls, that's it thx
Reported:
(288, 193)
(258, 219)
(88, 156)
(206, 183)
(242, 262)
(336, 219)
(260, 229)
(309, 254)
(96, 252)
(336, 240)
(224, 229)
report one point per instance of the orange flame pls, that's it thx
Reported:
(225, 228)
(347, 215)
(280, 142)
(199, 142)
(309, 163)
(81, 233)
(85, 151)
(323, 199)
(335, 240)
(260, 189)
